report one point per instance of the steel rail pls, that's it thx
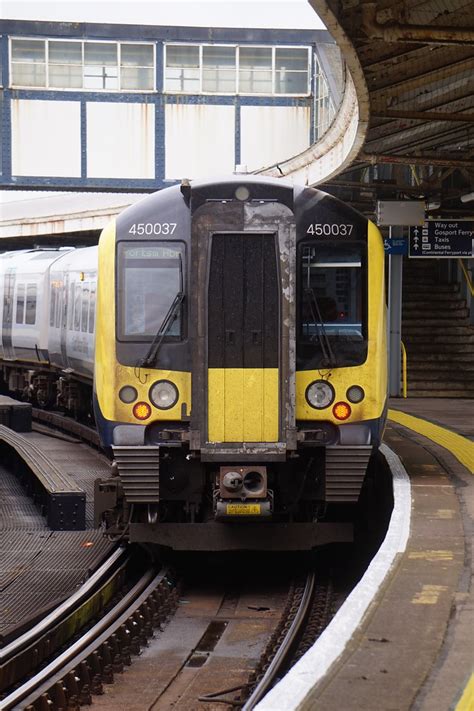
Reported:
(284, 650)
(39, 684)
(24, 655)
(71, 603)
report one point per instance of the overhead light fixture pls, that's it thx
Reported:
(433, 205)
(468, 197)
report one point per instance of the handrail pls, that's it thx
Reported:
(404, 369)
(467, 276)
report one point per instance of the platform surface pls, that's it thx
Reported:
(39, 567)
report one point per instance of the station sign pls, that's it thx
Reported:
(395, 245)
(442, 238)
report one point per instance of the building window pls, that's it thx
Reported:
(324, 109)
(183, 68)
(97, 66)
(219, 69)
(255, 70)
(291, 70)
(224, 69)
(28, 62)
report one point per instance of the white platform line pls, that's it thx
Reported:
(292, 692)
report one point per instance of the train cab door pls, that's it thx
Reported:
(243, 356)
(8, 308)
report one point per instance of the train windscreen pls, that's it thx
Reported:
(150, 275)
(331, 310)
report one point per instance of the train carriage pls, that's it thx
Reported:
(240, 369)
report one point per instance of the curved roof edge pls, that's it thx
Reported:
(343, 140)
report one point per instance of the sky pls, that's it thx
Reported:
(276, 14)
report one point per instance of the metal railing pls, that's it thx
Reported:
(467, 276)
(404, 370)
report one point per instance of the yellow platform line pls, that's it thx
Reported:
(466, 702)
(461, 447)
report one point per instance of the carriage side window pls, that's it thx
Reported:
(92, 308)
(30, 313)
(150, 277)
(53, 304)
(77, 308)
(85, 306)
(20, 303)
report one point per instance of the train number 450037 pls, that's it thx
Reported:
(152, 228)
(326, 229)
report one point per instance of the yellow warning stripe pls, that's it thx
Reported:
(461, 447)
(466, 702)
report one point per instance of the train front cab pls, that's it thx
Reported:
(262, 452)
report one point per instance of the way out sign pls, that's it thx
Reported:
(442, 238)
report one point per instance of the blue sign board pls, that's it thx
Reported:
(395, 245)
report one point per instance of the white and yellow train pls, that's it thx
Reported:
(240, 378)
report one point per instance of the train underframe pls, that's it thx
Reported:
(169, 496)
(48, 388)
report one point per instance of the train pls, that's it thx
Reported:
(231, 335)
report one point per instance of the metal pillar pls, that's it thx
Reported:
(395, 270)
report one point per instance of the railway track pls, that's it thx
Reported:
(57, 665)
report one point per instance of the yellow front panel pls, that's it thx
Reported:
(243, 404)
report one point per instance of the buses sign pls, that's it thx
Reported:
(442, 238)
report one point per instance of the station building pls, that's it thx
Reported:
(115, 107)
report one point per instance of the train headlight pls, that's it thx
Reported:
(164, 394)
(141, 410)
(341, 410)
(355, 394)
(320, 394)
(128, 394)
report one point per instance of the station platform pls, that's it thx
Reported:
(413, 648)
(39, 567)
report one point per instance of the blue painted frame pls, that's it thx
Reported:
(159, 35)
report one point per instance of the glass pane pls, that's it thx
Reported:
(136, 55)
(101, 77)
(92, 309)
(65, 52)
(291, 82)
(100, 53)
(255, 82)
(65, 76)
(151, 280)
(29, 74)
(182, 79)
(30, 316)
(28, 50)
(218, 57)
(85, 306)
(53, 305)
(291, 58)
(77, 308)
(332, 291)
(216, 80)
(255, 57)
(20, 303)
(182, 56)
(136, 78)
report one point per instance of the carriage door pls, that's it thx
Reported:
(243, 338)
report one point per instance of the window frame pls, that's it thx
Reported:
(237, 47)
(82, 42)
(120, 290)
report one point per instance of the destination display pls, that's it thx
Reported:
(442, 238)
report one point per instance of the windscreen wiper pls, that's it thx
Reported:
(166, 324)
(324, 342)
